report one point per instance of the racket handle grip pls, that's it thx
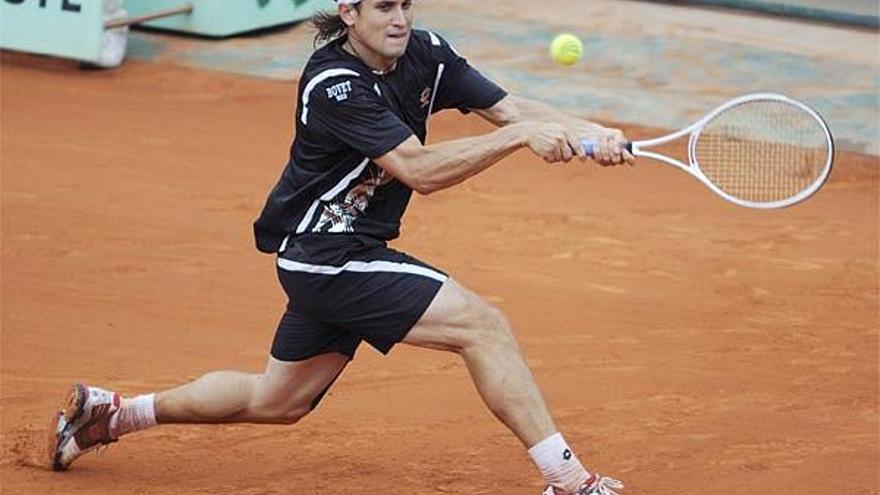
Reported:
(590, 146)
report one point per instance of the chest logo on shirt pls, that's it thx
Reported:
(339, 91)
(425, 97)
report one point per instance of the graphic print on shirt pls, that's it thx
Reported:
(425, 97)
(341, 212)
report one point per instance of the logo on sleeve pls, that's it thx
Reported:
(339, 91)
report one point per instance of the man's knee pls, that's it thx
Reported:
(281, 408)
(490, 327)
(292, 415)
(285, 413)
(460, 321)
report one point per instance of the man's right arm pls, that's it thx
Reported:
(430, 168)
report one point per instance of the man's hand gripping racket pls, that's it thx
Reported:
(760, 150)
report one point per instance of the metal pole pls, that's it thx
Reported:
(128, 21)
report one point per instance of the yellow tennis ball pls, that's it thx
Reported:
(566, 49)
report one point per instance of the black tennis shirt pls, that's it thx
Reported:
(347, 116)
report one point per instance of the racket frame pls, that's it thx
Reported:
(695, 129)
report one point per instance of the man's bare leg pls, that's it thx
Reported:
(283, 393)
(460, 321)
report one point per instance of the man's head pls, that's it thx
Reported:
(381, 26)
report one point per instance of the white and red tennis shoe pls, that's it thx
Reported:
(83, 425)
(596, 485)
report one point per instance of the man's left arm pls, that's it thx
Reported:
(514, 109)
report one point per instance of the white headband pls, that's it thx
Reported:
(347, 2)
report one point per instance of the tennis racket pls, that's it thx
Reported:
(759, 150)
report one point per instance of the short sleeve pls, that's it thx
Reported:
(348, 109)
(462, 86)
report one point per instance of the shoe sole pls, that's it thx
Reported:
(73, 410)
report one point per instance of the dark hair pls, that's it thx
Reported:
(329, 25)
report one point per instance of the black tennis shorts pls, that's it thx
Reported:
(344, 289)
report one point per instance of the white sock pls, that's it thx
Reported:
(557, 462)
(135, 414)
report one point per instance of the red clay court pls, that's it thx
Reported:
(685, 345)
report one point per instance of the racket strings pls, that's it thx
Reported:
(763, 151)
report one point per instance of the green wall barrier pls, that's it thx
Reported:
(65, 28)
(73, 28)
(226, 17)
(866, 16)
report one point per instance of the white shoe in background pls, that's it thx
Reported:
(114, 41)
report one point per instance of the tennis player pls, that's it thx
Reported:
(365, 99)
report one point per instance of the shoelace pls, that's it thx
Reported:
(603, 486)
